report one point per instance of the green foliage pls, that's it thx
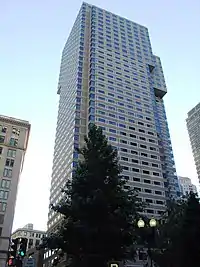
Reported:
(99, 215)
(177, 239)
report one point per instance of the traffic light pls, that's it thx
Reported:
(11, 262)
(22, 247)
(13, 247)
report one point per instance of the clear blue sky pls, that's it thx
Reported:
(33, 34)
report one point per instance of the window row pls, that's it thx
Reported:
(151, 211)
(140, 180)
(117, 54)
(122, 111)
(150, 191)
(126, 64)
(130, 27)
(122, 141)
(128, 91)
(153, 201)
(137, 170)
(117, 19)
(136, 161)
(121, 101)
(129, 99)
(142, 154)
(125, 110)
(147, 190)
(142, 131)
(120, 32)
(127, 61)
(139, 57)
(12, 142)
(121, 78)
(115, 122)
(123, 90)
(142, 146)
(125, 107)
(121, 54)
(3, 129)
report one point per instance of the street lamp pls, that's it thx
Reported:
(141, 223)
(152, 224)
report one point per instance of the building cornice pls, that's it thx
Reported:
(15, 121)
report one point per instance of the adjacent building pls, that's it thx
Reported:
(109, 76)
(186, 186)
(34, 236)
(193, 126)
(14, 135)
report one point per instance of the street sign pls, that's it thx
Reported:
(29, 262)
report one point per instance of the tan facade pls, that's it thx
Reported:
(34, 236)
(14, 135)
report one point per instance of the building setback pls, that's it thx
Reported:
(109, 76)
(193, 126)
(14, 135)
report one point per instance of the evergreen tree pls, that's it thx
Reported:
(177, 239)
(190, 234)
(167, 235)
(99, 214)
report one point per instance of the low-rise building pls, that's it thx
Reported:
(34, 236)
(14, 136)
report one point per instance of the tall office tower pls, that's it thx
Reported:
(109, 76)
(14, 135)
(193, 122)
(186, 185)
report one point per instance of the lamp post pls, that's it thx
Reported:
(152, 224)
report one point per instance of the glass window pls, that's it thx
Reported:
(112, 130)
(5, 183)
(3, 194)
(3, 206)
(3, 129)
(2, 139)
(112, 138)
(10, 162)
(13, 141)
(7, 172)
(158, 192)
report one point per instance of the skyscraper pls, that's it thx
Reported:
(14, 135)
(109, 76)
(186, 185)
(193, 125)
